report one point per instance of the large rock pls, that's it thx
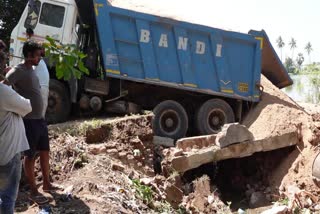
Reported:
(233, 133)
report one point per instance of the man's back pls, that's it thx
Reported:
(12, 132)
(26, 83)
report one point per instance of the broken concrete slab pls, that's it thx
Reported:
(230, 134)
(191, 160)
(233, 133)
(197, 142)
(163, 141)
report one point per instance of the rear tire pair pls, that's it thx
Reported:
(171, 119)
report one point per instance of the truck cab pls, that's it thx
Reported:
(60, 20)
(54, 18)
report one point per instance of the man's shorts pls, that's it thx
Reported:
(37, 135)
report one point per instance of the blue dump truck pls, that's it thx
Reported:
(195, 78)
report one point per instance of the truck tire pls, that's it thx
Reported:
(212, 115)
(59, 104)
(170, 120)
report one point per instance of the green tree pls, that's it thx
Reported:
(10, 12)
(289, 65)
(293, 45)
(300, 60)
(68, 59)
(309, 49)
(280, 44)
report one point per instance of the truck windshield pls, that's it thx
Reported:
(33, 14)
(52, 15)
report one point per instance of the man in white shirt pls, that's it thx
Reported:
(13, 141)
(42, 73)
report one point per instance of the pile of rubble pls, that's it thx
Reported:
(115, 166)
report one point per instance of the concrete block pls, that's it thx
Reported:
(233, 133)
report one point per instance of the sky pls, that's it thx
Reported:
(298, 19)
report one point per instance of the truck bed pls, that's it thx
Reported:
(160, 51)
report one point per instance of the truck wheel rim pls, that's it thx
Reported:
(216, 119)
(169, 121)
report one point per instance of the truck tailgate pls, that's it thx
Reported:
(272, 66)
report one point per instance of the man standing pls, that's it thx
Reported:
(26, 83)
(13, 141)
(43, 75)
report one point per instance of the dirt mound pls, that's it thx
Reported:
(144, 6)
(276, 114)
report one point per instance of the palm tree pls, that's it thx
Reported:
(280, 44)
(293, 45)
(300, 60)
(309, 49)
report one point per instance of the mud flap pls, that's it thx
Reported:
(272, 66)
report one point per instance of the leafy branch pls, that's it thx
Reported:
(67, 59)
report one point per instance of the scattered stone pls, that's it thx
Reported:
(136, 153)
(137, 143)
(257, 199)
(202, 186)
(111, 145)
(233, 133)
(130, 158)
(69, 189)
(97, 149)
(118, 167)
(122, 154)
(163, 141)
(292, 190)
(159, 179)
(176, 180)
(174, 195)
(112, 151)
(276, 210)
(241, 211)
(210, 199)
(146, 181)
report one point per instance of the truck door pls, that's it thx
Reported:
(51, 20)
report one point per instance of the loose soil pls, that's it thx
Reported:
(108, 166)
